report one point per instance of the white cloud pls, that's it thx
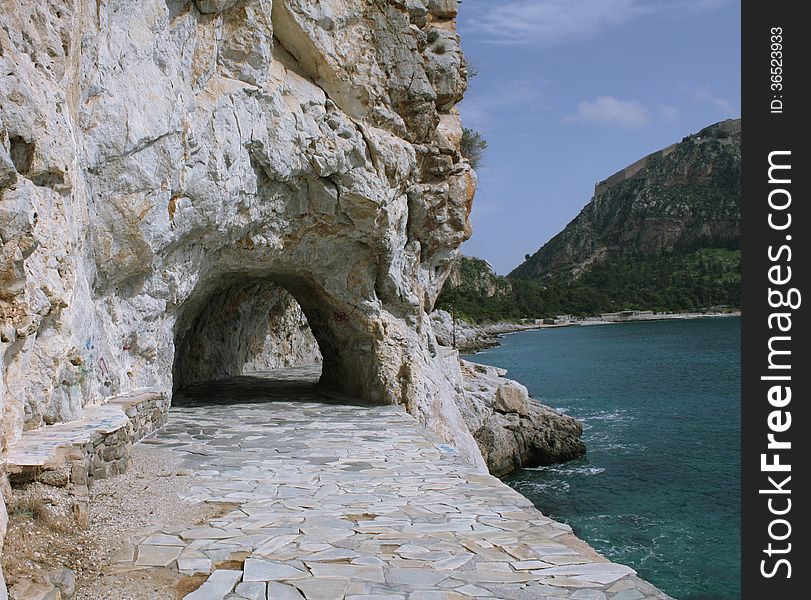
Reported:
(670, 113)
(607, 110)
(560, 21)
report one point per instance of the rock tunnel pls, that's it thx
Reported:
(247, 325)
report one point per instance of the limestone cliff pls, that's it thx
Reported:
(683, 197)
(156, 156)
(192, 190)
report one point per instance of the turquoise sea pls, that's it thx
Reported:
(659, 489)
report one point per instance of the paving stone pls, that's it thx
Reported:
(375, 597)
(161, 539)
(157, 556)
(323, 588)
(354, 572)
(263, 570)
(334, 499)
(528, 565)
(436, 595)
(628, 595)
(588, 595)
(189, 565)
(283, 591)
(333, 554)
(415, 577)
(472, 590)
(252, 590)
(217, 586)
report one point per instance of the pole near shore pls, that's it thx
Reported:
(453, 319)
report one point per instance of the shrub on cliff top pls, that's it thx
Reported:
(473, 146)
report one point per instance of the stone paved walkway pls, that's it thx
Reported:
(333, 499)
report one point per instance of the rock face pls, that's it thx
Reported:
(155, 153)
(248, 327)
(468, 338)
(163, 161)
(681, 198)
(511, 428)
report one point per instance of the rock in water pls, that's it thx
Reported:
(512, 429)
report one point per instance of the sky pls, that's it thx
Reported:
(570, 91)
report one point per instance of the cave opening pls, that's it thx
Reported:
(250, 329)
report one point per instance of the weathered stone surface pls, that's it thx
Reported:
(155, 155)
(513, 430)
(3, 527)
(160, 159)
(262, 570)
(64, 580)
(157, 556)
(254, 590)
(250, 327)
(174, 175)
(402, 514)
(467, 337)
(282, 591)
(219, 583)
(30, 590)
(444, 9)
(512, 397)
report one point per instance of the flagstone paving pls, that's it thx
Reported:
(337, 499)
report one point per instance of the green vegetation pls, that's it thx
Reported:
(473, 146)
(690, 281)
(664, 238)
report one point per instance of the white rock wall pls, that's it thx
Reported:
(152, 150)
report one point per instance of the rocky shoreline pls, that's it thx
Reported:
(512, 429)
(475, 338)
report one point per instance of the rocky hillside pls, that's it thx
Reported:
(473, 282)
(661, 234)
(677, 200)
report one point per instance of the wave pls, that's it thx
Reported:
(539, 487)
(618, 446)
(613, 416)
(568, 470)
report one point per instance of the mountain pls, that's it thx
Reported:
(662, 234)
(677, 200)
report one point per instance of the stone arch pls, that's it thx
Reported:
(242, 322)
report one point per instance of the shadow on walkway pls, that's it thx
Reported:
(291, 384)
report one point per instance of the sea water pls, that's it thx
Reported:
(659, 489)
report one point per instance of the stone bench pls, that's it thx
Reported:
(94, 447)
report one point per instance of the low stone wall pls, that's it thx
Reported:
(147, 411)
(98, 446)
